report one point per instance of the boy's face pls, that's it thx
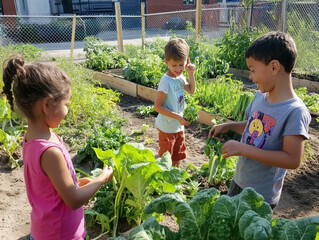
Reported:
(175, 67)
(260, 74)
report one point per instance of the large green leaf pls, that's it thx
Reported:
(227, 211)
(298, 229)
(188, 227)
(138, 180)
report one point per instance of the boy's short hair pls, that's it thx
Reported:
(274, 45)
(176, 49)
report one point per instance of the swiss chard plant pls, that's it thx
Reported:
(136, 177)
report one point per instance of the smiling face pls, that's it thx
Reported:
(175, 67)
(261, 74)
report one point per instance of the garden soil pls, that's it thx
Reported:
(300, 197)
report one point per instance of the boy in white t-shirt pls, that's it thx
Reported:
(169, 102)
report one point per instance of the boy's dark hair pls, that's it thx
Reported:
(26, 84)
(274, 46)
(176, 49)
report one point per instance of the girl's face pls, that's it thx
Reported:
(176, 68)
(260, 74)
(58, 111)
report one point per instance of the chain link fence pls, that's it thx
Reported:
(300, 19)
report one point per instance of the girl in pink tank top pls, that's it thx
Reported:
(42, 93)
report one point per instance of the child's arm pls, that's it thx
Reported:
(237, 127)
(54, 165)
(158, 107)
(191, 87)
(289, 158)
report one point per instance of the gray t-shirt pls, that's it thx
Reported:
(174, 101)
(266, 127)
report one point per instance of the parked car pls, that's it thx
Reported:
(175, 23)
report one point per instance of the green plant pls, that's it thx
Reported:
(138, 173)
(104, 138)
(145, 69)
(210, 216)
(9, 143)
(191, 110)
(219, 96)
(90, 105)
(233, 46)
(146, 111)
(102, 56)
(239, 111)
(311, 100)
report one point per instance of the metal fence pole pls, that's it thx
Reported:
(143, 23)
(249, 15)
(73, 35)
(284, 16)
(198, 18)
(119, 26)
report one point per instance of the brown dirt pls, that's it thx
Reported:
(300, 197)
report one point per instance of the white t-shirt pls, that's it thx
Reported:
(174, 90)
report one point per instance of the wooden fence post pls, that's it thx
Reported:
(119, 26)
(143, 23)
(198, 18)
(73, 35)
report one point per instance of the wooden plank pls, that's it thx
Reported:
(117, 83)
(146, 93)
(117, 72)
(206, 118)
(311, 86)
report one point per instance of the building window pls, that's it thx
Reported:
(188, 2)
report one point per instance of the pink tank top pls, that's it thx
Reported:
(51, 218)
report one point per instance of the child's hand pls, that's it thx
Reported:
(232, 148)
(107, 174)
(216, 130)
(182, 121)
(84, 181)
(190, 68)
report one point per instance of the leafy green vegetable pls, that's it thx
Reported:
(214, 151)
(298, 229)
(191, 110)
(135, 171)
(146, 111)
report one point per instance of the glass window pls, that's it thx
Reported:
(188, 2)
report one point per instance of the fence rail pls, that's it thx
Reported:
(300, 19)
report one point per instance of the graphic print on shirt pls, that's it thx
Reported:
(258, 128)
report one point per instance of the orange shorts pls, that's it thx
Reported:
(174, 143)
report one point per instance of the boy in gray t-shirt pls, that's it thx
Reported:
(277, 121)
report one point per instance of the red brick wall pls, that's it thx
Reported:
(9, 8)
(156, 6)
(162, 6)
